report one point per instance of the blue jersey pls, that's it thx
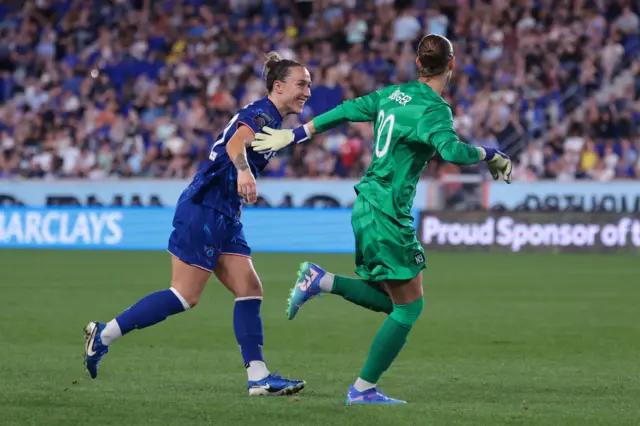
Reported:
(215, 183)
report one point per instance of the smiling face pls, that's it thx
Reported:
(294, 91)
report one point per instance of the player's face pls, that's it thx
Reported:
(297, 89)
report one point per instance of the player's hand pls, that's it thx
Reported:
(272, 140)
(247, 186)
(499, 164)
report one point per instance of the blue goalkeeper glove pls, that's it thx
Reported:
(499, 164)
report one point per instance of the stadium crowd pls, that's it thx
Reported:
(140, 88)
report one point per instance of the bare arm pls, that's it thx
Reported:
(236, 149)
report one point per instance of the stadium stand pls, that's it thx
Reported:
(121, 89)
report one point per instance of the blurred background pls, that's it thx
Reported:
(104, 89)
(116, 103)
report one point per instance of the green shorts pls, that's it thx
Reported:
(385, 250)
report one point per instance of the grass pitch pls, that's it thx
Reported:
(552, 340)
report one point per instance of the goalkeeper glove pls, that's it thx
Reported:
(270, 140)
(499, 164)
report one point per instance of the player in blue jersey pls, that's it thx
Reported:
(208, 237)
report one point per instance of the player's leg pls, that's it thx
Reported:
(187, 284)
(235, 270)
(368, 293)
(408, 302)
(387, 252)
(313, 280)
(237, 274)
(190, 271)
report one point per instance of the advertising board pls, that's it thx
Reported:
(285, 193)
(613, 197)
(266, 230)
(530, 232)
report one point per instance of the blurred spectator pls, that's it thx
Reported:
(589, 157)
(406, 26)
(142, 89)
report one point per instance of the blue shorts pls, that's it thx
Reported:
(202, 234)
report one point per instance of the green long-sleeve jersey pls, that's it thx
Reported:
(411, 123)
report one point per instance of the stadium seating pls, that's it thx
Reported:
(122, 90)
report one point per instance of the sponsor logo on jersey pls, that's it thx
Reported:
(262, 119)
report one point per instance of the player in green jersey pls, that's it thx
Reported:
(412, 122)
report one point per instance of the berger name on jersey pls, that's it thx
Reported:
(400, 97)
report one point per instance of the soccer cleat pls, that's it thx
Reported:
(307, 286)
(94, 350)
(273, 385)
(370, 396)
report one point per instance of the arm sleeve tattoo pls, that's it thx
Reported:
(241, 162)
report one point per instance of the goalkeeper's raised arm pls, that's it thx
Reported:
(354, 110)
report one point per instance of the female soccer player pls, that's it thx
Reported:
(412, 123)
(208, 236)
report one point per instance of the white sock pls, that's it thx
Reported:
(257, 370)
(363, 385)
(111, 332)
(326, 282)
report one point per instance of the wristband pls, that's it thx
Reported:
(489, 153)
(300, 134)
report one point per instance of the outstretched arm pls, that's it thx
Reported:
(360, 109)
(355, 110)
(454, 151)
(436, 128)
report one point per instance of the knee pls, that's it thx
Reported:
(249, 288)
(192, 300)
(409, 313)
(188, 298)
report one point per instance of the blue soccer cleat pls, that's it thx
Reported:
(273, 385)
(94, 350)
(307, 286)
(370, 396)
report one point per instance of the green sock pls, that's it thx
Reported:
(364, 293)
(390, 339)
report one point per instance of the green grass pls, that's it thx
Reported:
(553, 340)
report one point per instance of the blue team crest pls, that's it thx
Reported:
(209, 251)
(262, 119)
